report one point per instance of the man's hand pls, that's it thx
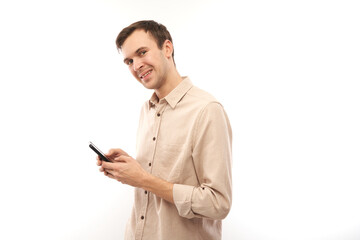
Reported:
(125, 169)
(112, 154)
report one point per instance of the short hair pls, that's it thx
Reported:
(157, 30)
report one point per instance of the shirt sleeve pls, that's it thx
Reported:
(212, 156)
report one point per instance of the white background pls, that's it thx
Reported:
(287, 73)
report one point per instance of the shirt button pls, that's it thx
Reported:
(142, 217)
(149, 164)
(154, 138)
(145, 192)
(158, 114)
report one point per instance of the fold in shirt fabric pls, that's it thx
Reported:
(186, 139)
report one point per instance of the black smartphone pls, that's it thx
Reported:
(100, 153)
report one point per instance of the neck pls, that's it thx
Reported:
(171, 82)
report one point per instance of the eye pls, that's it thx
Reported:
(142, 53)
(129, 62)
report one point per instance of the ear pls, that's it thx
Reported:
(168, 48)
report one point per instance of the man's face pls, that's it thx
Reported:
(146, 61)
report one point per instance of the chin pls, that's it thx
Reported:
(147, 85)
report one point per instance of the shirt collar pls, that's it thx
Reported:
(153, 100)
(174, 97)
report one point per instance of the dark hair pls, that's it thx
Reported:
(157, 30)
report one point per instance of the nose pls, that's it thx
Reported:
(137, 65)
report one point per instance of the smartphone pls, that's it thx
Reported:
(100, 153)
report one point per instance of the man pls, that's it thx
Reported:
(182, 170)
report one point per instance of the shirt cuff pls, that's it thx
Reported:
(182, 198)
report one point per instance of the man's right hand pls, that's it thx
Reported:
(112, 154)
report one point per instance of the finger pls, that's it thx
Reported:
(98, 162)
(108, 165)
(122, 158)
(114, 152)
(106, 173)
(117, 152)
(111, 172)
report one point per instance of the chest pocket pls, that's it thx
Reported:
(168, 161)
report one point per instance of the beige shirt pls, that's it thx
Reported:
(184, 138)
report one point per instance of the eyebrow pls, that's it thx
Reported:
(137, 52)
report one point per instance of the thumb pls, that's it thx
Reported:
(122, 158)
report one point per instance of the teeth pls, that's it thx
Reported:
(145, 74)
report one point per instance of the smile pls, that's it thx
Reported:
(142, 76)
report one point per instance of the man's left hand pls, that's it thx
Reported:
(125, 169)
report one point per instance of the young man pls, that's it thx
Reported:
(182, 170)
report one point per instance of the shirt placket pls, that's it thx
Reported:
(159, 110)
